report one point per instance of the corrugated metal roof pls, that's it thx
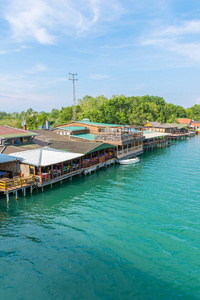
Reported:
(87, 136)
(73, 128)
(20, 147)
(158, 125)
(7, 158)
(80, 147)
(178, 126)
(154, 135)
(99, 124)
(153, 123)
(46, 156)
(195, 122)
(101, 147)
(45, 135)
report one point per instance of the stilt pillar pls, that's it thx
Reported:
(7, 197)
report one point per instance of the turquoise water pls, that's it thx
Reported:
(126, 232)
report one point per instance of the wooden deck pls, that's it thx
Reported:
(8, 185)
(59, 178)
(88, 170)
(178, 136)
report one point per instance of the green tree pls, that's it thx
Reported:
(31, 122)
(66, 114)
(41, 119)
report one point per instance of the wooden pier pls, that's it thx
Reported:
(16, 184)
(178, 136)
(99, 166)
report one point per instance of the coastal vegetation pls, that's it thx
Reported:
(119, 109)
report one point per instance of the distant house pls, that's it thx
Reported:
(71, 130)
(195, 125)
(11, 136)
(184, 121)
(171, 128)
(157, 127)
(155, 139)
(129, 142)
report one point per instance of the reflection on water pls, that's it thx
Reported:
(127, 232)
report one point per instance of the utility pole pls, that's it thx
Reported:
(74, 96)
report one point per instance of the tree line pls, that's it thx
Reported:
(119, 109)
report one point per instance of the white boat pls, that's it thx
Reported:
(129, 161)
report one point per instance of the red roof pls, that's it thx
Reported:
(184, 121)
(10, 131)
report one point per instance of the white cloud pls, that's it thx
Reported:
(29, 19)
(43, 20)
(189, 27)
(182, 39)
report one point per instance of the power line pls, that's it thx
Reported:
(74, 95)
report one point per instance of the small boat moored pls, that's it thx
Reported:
(129, 161)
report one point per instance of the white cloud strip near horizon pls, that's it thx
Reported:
(44, 20)
(175, 38)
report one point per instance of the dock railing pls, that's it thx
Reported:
(87, 163)
(130, 149)
(16, 182)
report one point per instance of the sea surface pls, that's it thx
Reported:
(125, 232)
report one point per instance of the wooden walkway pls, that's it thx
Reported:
(98, 166)
(9, 186)
(16, 184)
(59, 178)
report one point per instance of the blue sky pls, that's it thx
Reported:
(117, 47)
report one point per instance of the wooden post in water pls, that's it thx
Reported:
(24, 192)
(40, 172)
(16, 195)
(7, 196)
